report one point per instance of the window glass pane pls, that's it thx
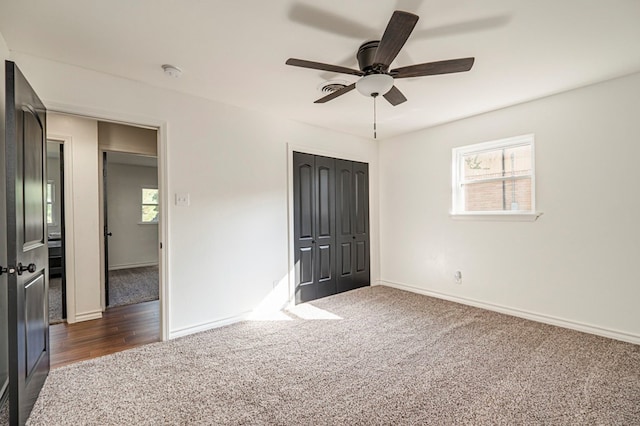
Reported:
(150, 213)
(518, 161)
(502, 195)
(49, 214)
(149, 196)
(509, 161)
(49, 192)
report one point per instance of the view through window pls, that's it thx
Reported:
(150, 207)
(51, 220)
(494, 176)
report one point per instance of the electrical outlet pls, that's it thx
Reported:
(458, 277)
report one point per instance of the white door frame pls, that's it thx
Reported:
(69, 247)
(163, 225)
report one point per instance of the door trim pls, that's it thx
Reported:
(163, 226)
(69, 243)
(305, 149)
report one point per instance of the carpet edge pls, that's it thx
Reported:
(533, 316)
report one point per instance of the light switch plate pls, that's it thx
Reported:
(182, 199)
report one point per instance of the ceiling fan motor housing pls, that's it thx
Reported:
(366, 54)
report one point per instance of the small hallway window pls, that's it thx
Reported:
(150, 206)
(494, 177)
(51, 220)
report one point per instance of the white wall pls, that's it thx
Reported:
(577, 262)
(83, 238)
(230, 245)
(133, 243)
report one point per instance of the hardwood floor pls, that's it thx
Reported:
(120, 328)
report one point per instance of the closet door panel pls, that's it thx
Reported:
(325, 217)
(361, 275)
(304, 226)
(345, 216)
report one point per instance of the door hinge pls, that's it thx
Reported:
(8, 270)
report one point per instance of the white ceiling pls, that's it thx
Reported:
(235, 51)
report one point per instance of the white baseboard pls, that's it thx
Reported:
(87, 316)
(546, 319)
(131, 265)
(185, 331)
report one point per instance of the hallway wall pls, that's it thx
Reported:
(133, 244)
(83, 278)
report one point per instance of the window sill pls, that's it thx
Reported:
(497, 217)
(147, 223)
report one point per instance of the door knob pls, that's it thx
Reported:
(30, 268)
(109, 234)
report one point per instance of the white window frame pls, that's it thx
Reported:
(142, 188)
(458, 154)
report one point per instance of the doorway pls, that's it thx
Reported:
(131, 213)
(84, 140)
(331, 226)
(91, 329)
(55, 232)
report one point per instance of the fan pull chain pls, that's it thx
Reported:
(375, 96)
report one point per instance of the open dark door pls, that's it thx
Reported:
(105, 230)
(25, 159)
(63, 238)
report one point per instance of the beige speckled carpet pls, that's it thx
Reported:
(133, 285)
(371, 356)
(55, 300)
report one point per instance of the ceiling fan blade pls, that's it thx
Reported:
(323, 67)
(330, 22)
(395, 36)
(335, 94)
(433, 68)
(395, 96)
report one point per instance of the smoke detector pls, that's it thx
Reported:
(171, 71)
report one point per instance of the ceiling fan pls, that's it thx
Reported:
(375, 58)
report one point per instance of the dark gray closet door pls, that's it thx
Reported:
(314, 226)
(352, 222)
(325, 241)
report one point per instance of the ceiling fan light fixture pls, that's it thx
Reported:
(374, 84)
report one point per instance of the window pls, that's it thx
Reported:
(51, 192)
(494, 177)
(150, 207)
